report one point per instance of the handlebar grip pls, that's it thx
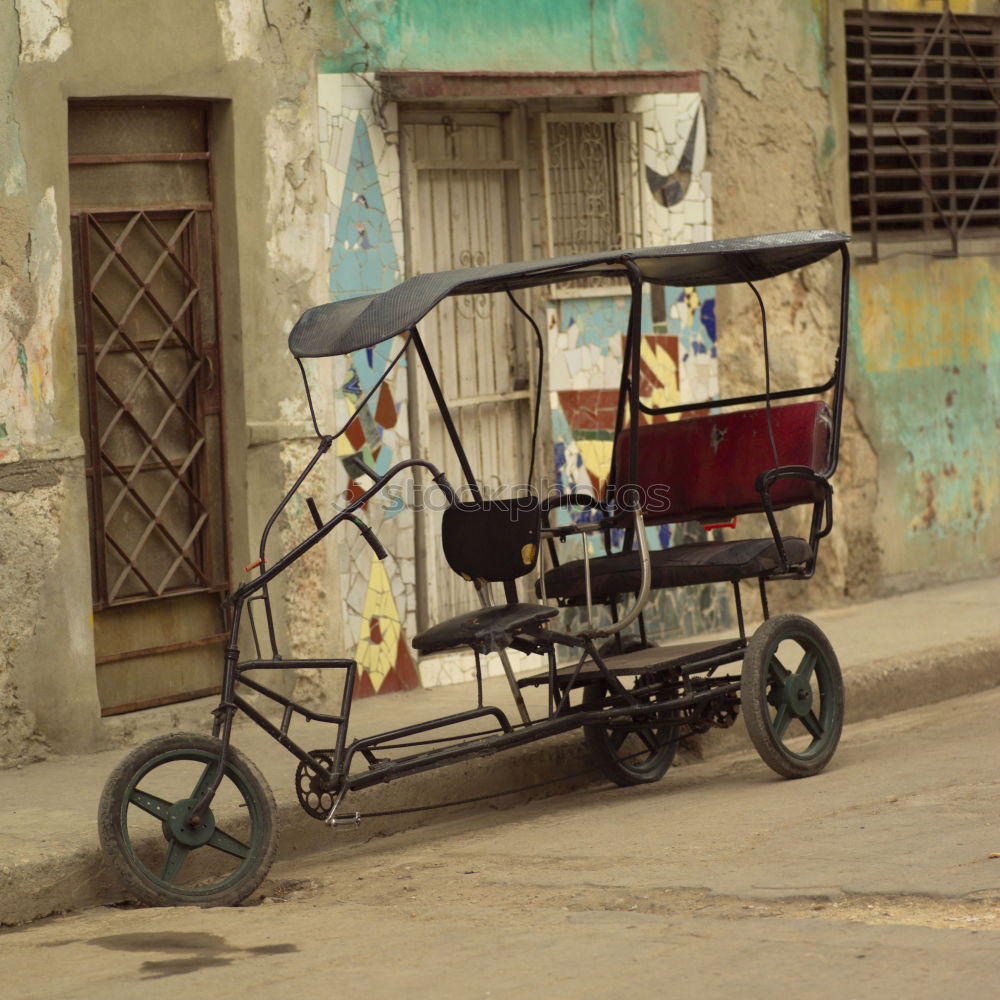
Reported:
(370, 537)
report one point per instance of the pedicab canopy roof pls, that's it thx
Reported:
(365, 320)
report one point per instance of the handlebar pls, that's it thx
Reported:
(366, 532)
(324, 528)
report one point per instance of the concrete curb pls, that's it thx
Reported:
(71, 877)
(897, 683)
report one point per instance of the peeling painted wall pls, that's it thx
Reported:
(922, 441)
(31, 307)
(45, 31)
(36, 445)
(532, 36)
(776, 142)
(256, 62)
(24, 553)
(926, 343)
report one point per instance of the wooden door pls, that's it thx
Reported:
(464, 181)
(150, 391)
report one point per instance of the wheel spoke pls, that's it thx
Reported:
(777, 669)
(151, 804)
(616, 738)
(204, 781)
(807, 665)
(176, 854)
(813, 725)
(222, 841)
(781, 721)
(649, 738)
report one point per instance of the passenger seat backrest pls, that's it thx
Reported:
(705, 468)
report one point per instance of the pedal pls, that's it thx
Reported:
(335, 821)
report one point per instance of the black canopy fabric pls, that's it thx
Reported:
(366, 320)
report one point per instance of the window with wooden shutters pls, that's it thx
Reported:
(924, 124)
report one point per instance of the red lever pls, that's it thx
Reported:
(253, 565)
(728, 524)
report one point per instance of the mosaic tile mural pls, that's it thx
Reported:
(364, 240)
(364, 236)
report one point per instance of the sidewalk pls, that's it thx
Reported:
(896, 653)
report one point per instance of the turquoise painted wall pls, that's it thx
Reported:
(926, 344)
(522, 35)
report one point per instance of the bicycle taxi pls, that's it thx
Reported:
(188, 819)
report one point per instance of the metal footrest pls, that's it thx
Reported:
(684, 656)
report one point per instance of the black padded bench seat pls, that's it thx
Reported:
(485, 629)
(681, 566)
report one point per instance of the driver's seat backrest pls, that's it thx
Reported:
(492, 540)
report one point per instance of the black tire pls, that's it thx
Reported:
(626, 752)
(794, 713)
(160, 857)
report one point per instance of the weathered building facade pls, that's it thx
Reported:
(179, 183)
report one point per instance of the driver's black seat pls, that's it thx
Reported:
(490, 541)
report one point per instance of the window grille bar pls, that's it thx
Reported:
(177, 410)
(924, 111)
(592, 176)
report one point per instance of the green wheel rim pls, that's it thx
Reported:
(182, 839)
(792, 694)
(791, 698)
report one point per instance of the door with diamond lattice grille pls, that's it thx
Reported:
(151, 414)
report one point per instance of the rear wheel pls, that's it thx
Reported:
(165, 856)
(792, 696)
(633, 749)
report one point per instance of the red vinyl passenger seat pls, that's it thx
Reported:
(706, 469)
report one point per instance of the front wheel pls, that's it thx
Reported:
(792, 696)
(148, 836)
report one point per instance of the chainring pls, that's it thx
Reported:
(313, 790)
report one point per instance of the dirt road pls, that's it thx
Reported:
(874, 879)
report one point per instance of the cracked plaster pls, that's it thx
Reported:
(242, 23)
(30, 307)
(44, 29)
